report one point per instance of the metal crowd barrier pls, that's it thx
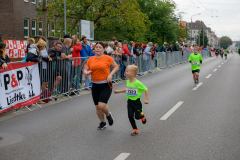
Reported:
(65, 77)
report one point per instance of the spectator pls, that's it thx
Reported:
(114, 39)
(55, 54)
(140, 47)
(136, 49)
(30, 41)
(34, 51)
(120, 41)
(110, 50)
(86, 49)
(132, 53)
(76, 62)
(44, 66)
(125, 48)
(147, 56)
(175, 47)
(65, 63)
(164, 49)
(93, 49)
(106, 46)
(169, 49)
(66, 51)
(4, 59)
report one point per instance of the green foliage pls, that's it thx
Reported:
(107, 15)
(238, 44)
(200, 35)
(137, 20)
(225, 42)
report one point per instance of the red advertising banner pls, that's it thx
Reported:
(16, 48)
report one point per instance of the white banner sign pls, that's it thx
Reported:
(19, 86)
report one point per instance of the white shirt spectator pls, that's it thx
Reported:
(109, 49)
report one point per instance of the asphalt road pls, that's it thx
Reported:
(183, 122)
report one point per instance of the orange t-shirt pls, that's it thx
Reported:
(100, 67)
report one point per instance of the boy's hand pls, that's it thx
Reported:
(146, 101)
(116, 91)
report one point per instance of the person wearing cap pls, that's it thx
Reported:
(4, 59)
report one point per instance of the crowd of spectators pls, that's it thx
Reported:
(61, 67)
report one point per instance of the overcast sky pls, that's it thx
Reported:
(222, 16)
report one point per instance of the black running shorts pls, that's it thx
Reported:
(198, 70)
(101, 93)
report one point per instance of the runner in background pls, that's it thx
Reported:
(133, 93)
(225, 53)
(217, 52)
(99, 67)
(196, 61)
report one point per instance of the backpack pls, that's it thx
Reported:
(45, 95)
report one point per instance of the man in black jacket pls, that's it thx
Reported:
(55, 54)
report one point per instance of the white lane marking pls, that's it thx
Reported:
(214, 70)
(209, 76)
(195, 88)
(219, 66)
(165, 117)
(122, 156)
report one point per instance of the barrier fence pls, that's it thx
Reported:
(65, 77)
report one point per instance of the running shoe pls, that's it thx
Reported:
(102, 125)
(195, 84)
(110, 119)
(134, 132)
(197, 80)
(144, 120)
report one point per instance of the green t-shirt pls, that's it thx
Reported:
(225, 52)
(134, 90)
(195, 58)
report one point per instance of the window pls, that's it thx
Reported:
(33, 27)
(40, 1)
(26, 28)
(34, 1)
(53, 30)
(40, 28)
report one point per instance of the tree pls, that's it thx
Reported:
(200, 38)
(237, 44)
(225, 42)
(109, 16)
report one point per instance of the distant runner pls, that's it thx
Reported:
(196, 61)
(225, 53)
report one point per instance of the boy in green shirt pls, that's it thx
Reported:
(196, 61)
(133, 93)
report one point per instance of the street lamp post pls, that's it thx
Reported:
(65, 21)
(191, 26)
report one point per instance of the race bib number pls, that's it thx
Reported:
(132, 91)
(195, 63)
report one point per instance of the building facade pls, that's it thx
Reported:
(195, 29)
(19, 19)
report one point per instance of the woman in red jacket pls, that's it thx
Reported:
(76, 62)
